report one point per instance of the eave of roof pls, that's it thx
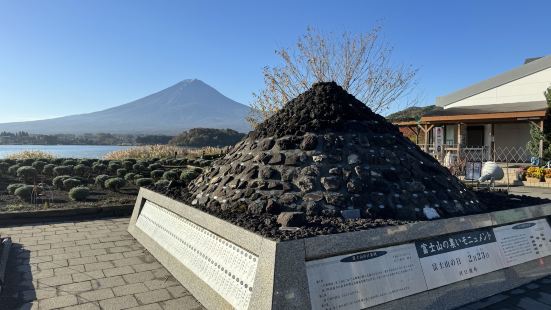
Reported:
(498, 80)
(484, 117)
(492, 108)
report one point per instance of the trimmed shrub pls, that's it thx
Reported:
(155, 166)
(162, 183)
(27, 173)
(63, 170)
(114, 184)
(48, 170)
(157, 174)
(144, 182)
(121, 172)
(99, 168)
(138, 176)
(100, 180)
(87, 162)
(129, 176)
(127, 164)
(24, 192)
(9, 161)
(82, 170)
(57, 182)
(13, 169)
(114, 166)
(198, 170)
(79, 193)
(39, 165)
(4, 166)
(12, 187)
(69, 162)
(138, 167)
(71, 183)
(25, 161)
(188, 175)
(170, 175)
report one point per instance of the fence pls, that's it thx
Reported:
(500, 154)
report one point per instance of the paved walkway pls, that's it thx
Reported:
(533, 296)
(541, 192)
(86, 265)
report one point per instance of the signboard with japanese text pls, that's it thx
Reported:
(524, 242)
(365, 279)
(451, 258)
(438, 133)
(473, 170)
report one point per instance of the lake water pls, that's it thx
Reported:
(64, 151)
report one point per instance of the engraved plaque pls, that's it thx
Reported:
(364, 279)
(227, 268)
(455, 257)
(524, 242)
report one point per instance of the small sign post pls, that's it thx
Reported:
(438, 134)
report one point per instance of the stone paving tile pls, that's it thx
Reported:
(130, 289)
(86, 265)
(124, 302)
(534, 295)
(184, 303)
(153, 296)
(57, 302)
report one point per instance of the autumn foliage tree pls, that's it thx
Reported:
(361, 63)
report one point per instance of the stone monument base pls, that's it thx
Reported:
(439, 264)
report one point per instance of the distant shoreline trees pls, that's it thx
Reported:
(201, 137)
(196, 137)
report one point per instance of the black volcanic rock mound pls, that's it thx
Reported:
(326, 154)
(325, 107)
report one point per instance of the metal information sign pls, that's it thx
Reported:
(451, 258)
(524, 242)
(227, 268)
(365, 279)
(373, 277)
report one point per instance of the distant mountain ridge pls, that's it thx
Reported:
(185, 105)
(412, 113)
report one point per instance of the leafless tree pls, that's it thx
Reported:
(360, 63)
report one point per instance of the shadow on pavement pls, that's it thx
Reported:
(19, 290)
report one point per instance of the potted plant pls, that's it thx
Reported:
(534, 174)
(547, 175)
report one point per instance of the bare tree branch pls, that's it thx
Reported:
(360, 63)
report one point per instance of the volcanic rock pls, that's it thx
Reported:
(291, 219)
(326, 152)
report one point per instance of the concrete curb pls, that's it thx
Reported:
(48, 215)
(280, 278)
(5, 246)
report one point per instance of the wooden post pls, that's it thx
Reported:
(416, 132)
(541, 143)
(459, 137)
(492, 142)
(426, 129)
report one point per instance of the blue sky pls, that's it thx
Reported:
(66, 57)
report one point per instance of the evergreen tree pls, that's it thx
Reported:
(536, 134)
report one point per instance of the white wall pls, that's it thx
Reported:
(527, 89)
(512, 135)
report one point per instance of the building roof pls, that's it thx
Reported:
(491, 108)
(491, 112)
(526, 69)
